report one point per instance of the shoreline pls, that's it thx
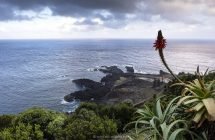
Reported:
(118, 86)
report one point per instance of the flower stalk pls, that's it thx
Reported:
(159, 45)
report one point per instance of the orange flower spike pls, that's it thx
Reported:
(160, 43)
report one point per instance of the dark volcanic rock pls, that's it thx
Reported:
(110, 79)
(87, 83)
(88, 94)
(116, 86)
(95, 90)
(111, 70)
(138, 83)
(129, 69)
(134, 89)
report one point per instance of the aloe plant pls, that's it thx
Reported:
(160, 124)
(200, 96)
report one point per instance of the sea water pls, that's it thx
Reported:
(40, 72)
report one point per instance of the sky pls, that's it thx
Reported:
(74, 19)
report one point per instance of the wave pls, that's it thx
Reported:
(92, 69)
(64, 102)
(69, 107)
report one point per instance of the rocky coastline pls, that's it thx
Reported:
(118, 86)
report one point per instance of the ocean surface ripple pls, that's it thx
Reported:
(40, 72)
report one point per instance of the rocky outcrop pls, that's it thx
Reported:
(110, 70)
(115, 86)
(88, 94)
(90, 90)
(87, 83)
(110, 79)
(129, 69)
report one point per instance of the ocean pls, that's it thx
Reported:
(40, 72)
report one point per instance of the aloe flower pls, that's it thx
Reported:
(159, 45)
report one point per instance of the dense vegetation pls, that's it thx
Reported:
(88, 121)
(185, 77)
(167, 117)
(185, 111)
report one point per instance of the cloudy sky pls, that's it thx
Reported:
(45, 19)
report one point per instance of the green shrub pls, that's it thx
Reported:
(210, 76)
(121, 113)
(89, 106)
(87, 125)
(88, 120)
(49, 121)
(22, 132)
(55, 128)
(6, 121)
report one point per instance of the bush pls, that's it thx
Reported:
(89, 106)
(6, 121)
(87, 125)
(48, 121)
(210, 76)
(22, 132)
(55, 128)
(121, 113)
(87, 121)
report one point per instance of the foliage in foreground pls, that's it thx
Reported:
(121, 113)
(87, 125)
(185, 77)
(190, 117)
(160, 123)
(200, 97)
(88, 121)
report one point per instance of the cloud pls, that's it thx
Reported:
(72, 7)
(7, 13)
(111, 13)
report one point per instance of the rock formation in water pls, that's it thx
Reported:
(117, 86)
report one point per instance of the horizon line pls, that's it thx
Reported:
(206, 39)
